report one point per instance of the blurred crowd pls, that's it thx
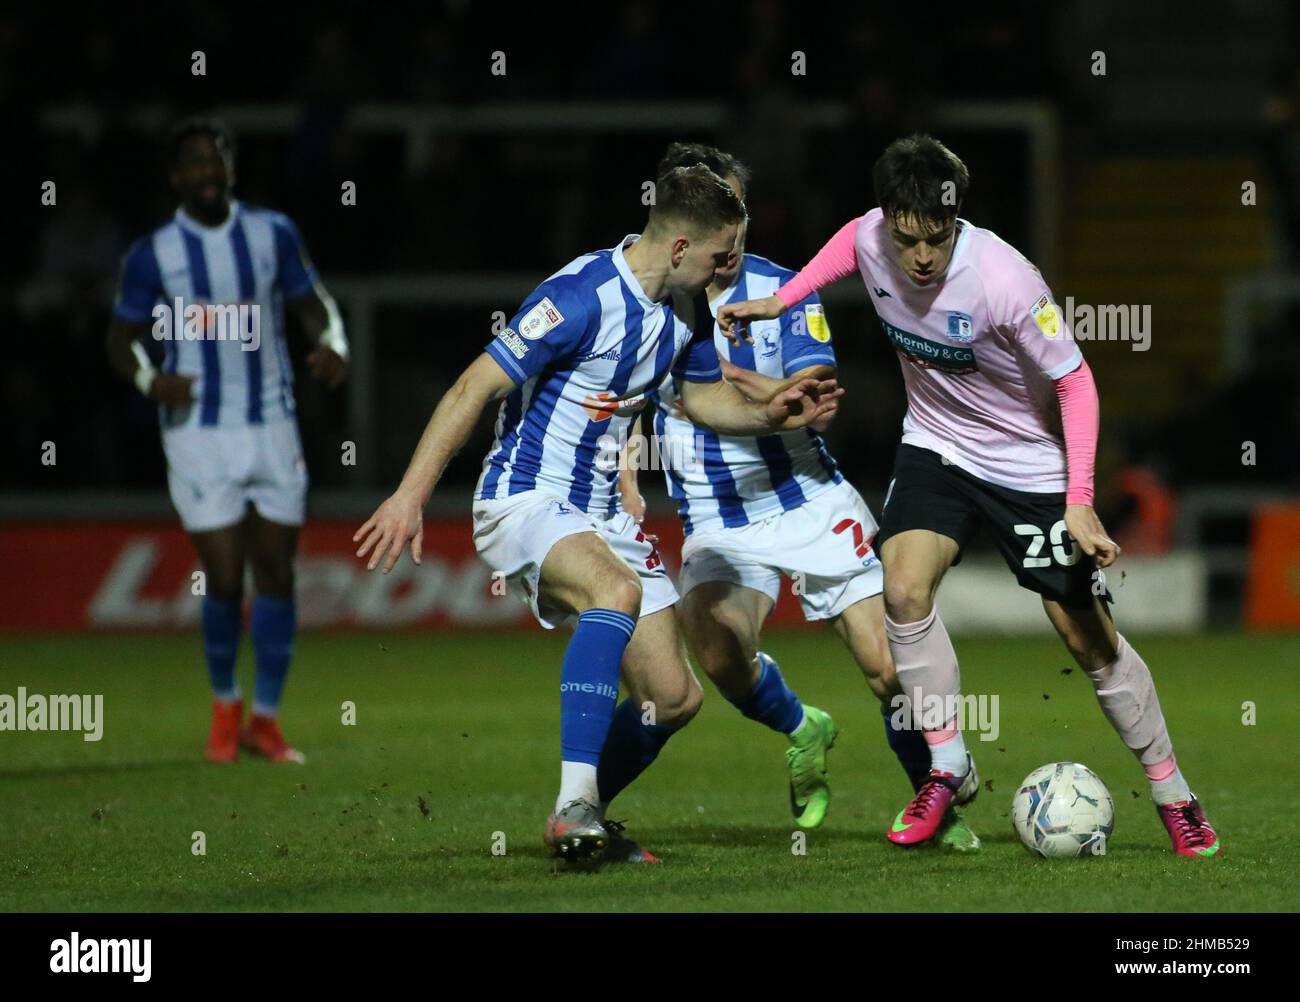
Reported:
(480, 201)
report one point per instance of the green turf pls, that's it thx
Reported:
(468, 727)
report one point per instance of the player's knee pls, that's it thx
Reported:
(225, 584)
(1091, 653)
(273, 578)
(907, 598)
(677, 704)
(225, 592)
(621, 593)
(716, 641)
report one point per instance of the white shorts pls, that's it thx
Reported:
(824, 546)
(513, 535)
(213, 472)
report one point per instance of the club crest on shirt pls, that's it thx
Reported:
(1047, 316)
(540, 319)
(768, 340)
(961, 327)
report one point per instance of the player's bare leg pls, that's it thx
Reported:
(221, 555)
(862, 628)
(723, 621)
(582, 574)
(1127, 695)
(662, 696)
(915, 563)
(271, 547)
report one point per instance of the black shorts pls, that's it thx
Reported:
(927, 492)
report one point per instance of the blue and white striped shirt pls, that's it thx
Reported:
(584, 349)
(739, 480)
(255, 258)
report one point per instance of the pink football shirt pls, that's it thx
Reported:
(980, 349)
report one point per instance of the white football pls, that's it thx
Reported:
(1064, 810)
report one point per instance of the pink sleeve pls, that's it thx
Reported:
(834, 261)
(1080, 418)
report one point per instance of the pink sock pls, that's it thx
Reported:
(1127, 696)
(927, 669)
(1161, 771)
(924, 659)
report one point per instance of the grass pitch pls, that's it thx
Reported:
(457, 739)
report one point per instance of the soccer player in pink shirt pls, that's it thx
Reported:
(1001, 432)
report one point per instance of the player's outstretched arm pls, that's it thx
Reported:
(320, 319)
(762, 388)
(734, 318)
(400, 519)
(1080, 419)
(723, 408)
(628, 487)
(836, 259)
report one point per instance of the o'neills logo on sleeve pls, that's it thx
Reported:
(75, 955)
(930, 354)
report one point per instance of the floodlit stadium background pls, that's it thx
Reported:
(1171, 180)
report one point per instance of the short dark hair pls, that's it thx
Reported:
(919, 176)
(696, 196)
(199, 126)
(722, 164)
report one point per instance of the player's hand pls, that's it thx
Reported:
(823, 420)
(172, 389)
(396, 522)
(633, 502)
(1089, 533)
(758, 388)
(735, 318)
(804, 402)
(328, 366)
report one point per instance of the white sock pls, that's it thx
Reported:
(949, 755)
(1171, 790)
(577, 782)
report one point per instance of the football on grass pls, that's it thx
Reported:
(1064, 810)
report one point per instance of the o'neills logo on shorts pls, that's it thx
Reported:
(930, 354)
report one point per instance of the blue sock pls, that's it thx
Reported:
(589, 682)
(221, 624)
(272, 626)
(909, 746)
(629, 749)
(770, 701)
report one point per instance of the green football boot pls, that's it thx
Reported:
(809, 793)
(955, 834)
